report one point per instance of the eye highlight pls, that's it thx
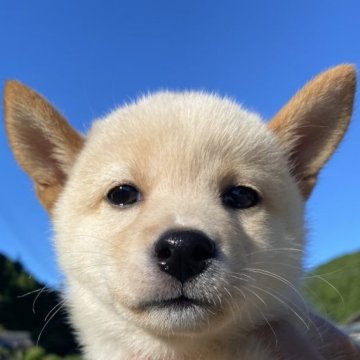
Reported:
(240, 197)
(123, 195)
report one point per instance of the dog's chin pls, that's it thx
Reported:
(180, 315)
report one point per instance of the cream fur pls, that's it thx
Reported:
(182, 150)
(179, 149)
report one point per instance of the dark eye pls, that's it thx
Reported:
(240, 197)
(123, 195)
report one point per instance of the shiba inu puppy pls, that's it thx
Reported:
(179, 219)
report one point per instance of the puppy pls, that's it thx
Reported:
(179, 219)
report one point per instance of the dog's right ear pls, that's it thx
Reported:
(43, 142)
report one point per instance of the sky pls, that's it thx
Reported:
(87, 57)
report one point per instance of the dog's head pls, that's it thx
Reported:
(182, 210)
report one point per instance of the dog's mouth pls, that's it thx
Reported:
(180, 314)
(179, 303)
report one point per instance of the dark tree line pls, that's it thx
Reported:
(16, 309)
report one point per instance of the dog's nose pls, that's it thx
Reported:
(184, 254)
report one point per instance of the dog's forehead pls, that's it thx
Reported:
(165, 129)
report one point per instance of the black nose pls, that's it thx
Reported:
(184, 254)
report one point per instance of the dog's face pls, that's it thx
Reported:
(187, 199)
(183, 211)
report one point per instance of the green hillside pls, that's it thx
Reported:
(334, 288)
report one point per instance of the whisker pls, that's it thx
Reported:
(275, 250)
(240, 276)
(47, 322)
(337, 271)
(279, 278)
(283, 303)
(87, 252)
(61, 303)
(291, 266)
(331, 286)
(36, 298)
(263, 315)
(88, 266)
(30, 292)
(255, 294)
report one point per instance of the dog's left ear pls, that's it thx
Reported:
(313, 122)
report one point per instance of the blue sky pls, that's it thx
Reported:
(89, 56)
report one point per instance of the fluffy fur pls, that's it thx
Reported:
(181, 150)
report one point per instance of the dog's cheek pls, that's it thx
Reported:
(84, 243)
(274, 266)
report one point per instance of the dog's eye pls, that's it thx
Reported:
(240, 197)
(123, 195)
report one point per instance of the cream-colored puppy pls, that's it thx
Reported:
(179, 218)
